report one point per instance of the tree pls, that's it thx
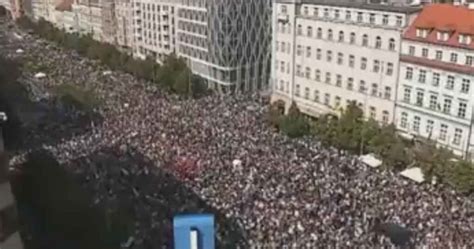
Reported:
(294, 126)
(71, 96)
(461, 177)
(198, 86)
(182, 81)
(430, 159)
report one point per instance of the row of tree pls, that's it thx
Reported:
(350, 131)
(173, 74)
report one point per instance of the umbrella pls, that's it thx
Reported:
(399, 235)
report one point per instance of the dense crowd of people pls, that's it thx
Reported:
(280, 191)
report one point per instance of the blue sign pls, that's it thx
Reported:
(195, 231)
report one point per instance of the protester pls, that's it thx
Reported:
(281, 191)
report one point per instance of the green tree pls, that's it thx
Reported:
(294, 126)
(431, 159)
(182, 82)
(461, 177)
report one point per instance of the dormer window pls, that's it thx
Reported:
(465, 39)
(442, 36)
(421, 33)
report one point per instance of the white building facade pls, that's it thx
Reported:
(329, 53)
(227, 42)
(436, 92)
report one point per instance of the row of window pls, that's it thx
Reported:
(439, 55)
(348, 15)
(341, 37)
(464, 39)
(326, 100)
(377, 65)
(450, 82)
(443, 130)
(434, 102)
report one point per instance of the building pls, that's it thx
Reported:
(88, 14)
(436, 94)
(124, 24)
(65, 18)
(227, 42)
(14, 7)
(329, 53)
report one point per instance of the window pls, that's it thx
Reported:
(299, 30)
(409, 73)
(308, 51)
(399, 21)
(337, 14)
(282, 85)
(462, 109)
(419, 98)
(297, 90)
(306, 92)
(442, 36)
(422, 76)
(340, 58)
(391, 44)
(352, 38)
(283, 9)
(348, 15)
(454, 58)
(317, 75)
(362, 88)
(469, 60)
(298, 70)
(404, 120)
(388, 92)
(416, 124)
(337, 101)
(287, 89)
(287, 67)
(329, 55)
(318, 54)
(385, 117)
(433, 102)
(365, 40)
(372, 112)
(299, 50)
(326, 12)
(457, 136)
(306, 10)
(341, 36)
(389, 68)
(378, 42)
(307, 73)
(435, 79)
(315, 12)
(424, 52)
(411, 50)
(327, 98)
(328, 78)
(316, 96)
(439, 55)
(407, 95)
(319, 33)
(283, 46)
(309, 31)
(360, 17)
(450, 82)
(363, 63)
(465, 85)
(338, 80)
(422, 33)
(351, 60)
(372, 18)
(385, 19)
(376, 66)
(447, 106)
(375, 90)
(330, 36)
(429, 127)
(465, 39)
(442, 132)
(282, 66)
(350, 84)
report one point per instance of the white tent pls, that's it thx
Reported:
(40, 75)
(370, 160)
(414, 174)
(19, 51)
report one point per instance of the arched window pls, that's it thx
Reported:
(378, 42)
(391, 44)
(320, 33)
(309, 31)
(352, 38)
(341, 36)
(330, 34)
(365, 40)
(300, 29)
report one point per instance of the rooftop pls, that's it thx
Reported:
(450, 20)
(360, 4)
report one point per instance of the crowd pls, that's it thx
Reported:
(280, 191)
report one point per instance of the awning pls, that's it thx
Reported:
(414, 174)
(370, 160)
